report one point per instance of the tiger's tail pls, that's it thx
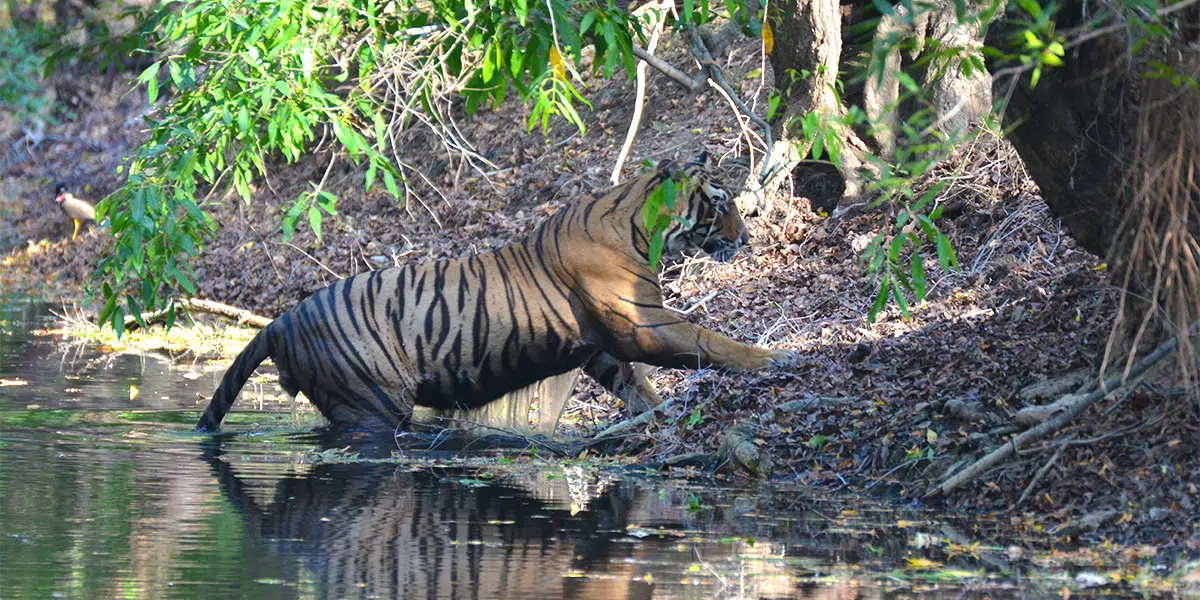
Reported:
(258, 350)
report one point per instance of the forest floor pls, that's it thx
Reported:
(889, 406)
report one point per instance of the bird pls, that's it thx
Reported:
(79, 210)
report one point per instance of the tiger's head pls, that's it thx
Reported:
(716, 226)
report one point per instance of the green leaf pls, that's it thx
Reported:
(586, 22)
(150, 78)
(327, 201)
(370, 177)
(898, 295)
(946, 257)
(930, 194)
(390, 182)
(880, 300)
(894, 249)
(907, 81)
(695, 418)
(307, 58)
(118, 321)
(314, 220)
(773, 105)
(656, 249)
(918, 278)
(489, 66)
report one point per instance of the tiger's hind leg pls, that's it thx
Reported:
(627, 381)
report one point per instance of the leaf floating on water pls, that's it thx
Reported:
(12, 382)
(575, 509)
(133, 392)
(923, 563)
(192, 375)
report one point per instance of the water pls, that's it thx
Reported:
(102, 496)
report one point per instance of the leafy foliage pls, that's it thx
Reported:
(21, 65)
(242, 81)
(658, 214)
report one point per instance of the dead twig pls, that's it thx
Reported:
(629, 425)
(715, 73)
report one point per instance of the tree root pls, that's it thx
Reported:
(739, 448)
(1088, 522)
(1069, 411)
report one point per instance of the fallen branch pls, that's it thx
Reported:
(199, 305)
(692, 83)
(814, 402)
(1089, 522)
(1110, 386)
(631, 424)
(738, 447)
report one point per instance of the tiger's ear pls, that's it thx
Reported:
(701, 161)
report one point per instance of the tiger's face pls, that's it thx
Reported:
(717, 225)
(723, 231)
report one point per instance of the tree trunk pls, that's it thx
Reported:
(1072, 131)
(808, 51)
(808, 38)
(1116, 157)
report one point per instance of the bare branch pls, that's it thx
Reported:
(693, 84)
(718, 76)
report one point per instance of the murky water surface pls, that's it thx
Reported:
(103, 496)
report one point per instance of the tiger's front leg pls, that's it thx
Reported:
(663, 339)
(627, 313)
(643, 332)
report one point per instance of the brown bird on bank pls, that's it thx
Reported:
(78, 210)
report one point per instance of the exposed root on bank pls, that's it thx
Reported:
(1069, 410)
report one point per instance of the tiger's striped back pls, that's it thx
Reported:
(457, 334)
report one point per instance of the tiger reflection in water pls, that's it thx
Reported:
(369, 530)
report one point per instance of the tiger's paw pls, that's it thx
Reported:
(784, 358)
(769, 359)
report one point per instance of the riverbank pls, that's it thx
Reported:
(884, 408)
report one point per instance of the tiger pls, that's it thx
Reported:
(459, 333)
